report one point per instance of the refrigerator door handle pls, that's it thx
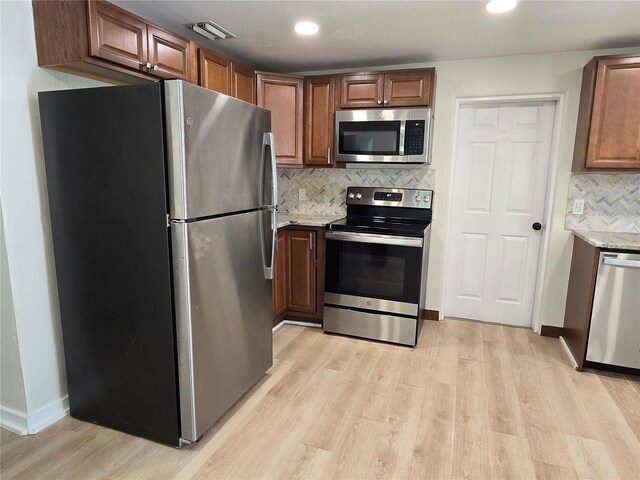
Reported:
(268, 141)
(268, 270)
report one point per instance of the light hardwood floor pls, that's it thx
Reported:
(470, 401)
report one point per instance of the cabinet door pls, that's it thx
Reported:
(319, 109)
(117, 36)
(214, 71)
(243, 83)
(283, 96)
(301, 284)
(614, 135)
(361, 90)
(169, 53)
(409, 89)
(280, 278)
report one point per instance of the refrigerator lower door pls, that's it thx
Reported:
(223, 313)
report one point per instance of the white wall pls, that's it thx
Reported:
(13, 403)
(26, 215)
(504, 76)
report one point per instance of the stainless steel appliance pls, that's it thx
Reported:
(376, 264)
(163, 205)
(384, 135)
(614, 334)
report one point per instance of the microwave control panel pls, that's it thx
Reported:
(414, 137)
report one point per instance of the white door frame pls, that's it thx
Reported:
(559, 98)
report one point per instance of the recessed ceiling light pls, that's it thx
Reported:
(501, 6)
(306, 28)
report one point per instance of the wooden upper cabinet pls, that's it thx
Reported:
(243, 83)
(214, 71)
(168, 54)
(301, 270)
(361, 90)
(117, 36)
(402, 88)
(123, 38)
(282, 94)
(608, 130)
(223, 75)
(409, 88)
(319, 112)
(97, 38)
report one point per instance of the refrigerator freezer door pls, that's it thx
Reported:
(223, 313)
(217, 158)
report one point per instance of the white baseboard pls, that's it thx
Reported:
(302, 324)
(565, 347)
(48, 415)
(22, 424)
(13, 420)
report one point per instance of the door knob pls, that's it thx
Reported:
(537, 226)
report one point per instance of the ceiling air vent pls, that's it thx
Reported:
(211, 30)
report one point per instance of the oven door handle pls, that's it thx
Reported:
(372, 238)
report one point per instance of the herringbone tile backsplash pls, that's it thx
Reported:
(611, 202)
(326, 189)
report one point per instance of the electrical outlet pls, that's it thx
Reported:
(578, 206)
(302, 194)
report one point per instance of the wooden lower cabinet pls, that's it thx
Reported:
(298, 284)
(280, 279)
(301, 269)
(582, 282)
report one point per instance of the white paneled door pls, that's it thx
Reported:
(499, 192)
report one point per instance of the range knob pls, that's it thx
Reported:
(358, 196)
(418, 198)
(351, 195)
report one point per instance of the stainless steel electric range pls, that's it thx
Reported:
(376, 267)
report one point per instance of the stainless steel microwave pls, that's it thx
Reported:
(384, 135)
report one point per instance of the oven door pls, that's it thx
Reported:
(373, 272)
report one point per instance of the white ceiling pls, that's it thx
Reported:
(374, 33)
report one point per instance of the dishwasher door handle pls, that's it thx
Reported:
(618, 262)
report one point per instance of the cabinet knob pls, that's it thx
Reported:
(379, 102)
(386, 101)
(145, 64)
(155, 67)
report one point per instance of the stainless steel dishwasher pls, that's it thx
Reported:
(614, 336)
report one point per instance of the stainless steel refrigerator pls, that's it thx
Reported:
(163, 215)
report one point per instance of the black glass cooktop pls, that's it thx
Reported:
(383, 226)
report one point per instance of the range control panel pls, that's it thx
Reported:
(390, 197)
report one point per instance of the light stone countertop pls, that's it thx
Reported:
(626, 241)
(286, 219)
